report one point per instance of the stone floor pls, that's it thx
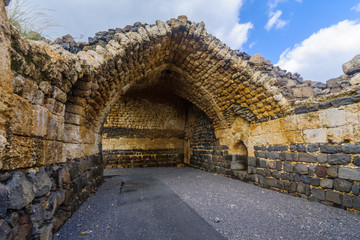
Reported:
(235, 209)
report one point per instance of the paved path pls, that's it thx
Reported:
(185, 203)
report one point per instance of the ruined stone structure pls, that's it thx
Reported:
(164, 94)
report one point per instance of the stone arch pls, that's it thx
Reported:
(178, 55)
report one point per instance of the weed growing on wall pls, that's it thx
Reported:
(28, 20)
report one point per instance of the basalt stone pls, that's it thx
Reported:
(276, 175)
(41, 182)
(319, 194)
(339, 159)
(334, 196)
(262, 148)
(333, 172)
(293, 157)
(349, 173)
(356, 98)
(293, 148)
(274, 155)
(314, 108)
(351, 148)
(278, 165)
(305, 179)
(5, 231)
(356, 203)
(315, 182)
(270, 182)
(341, 101)
(4, 177)
(323, 158)
(301, 148)
(301, 187)
(330, 148)
(301, 110)
(342, 185)
(355, 188)
(326, 183)
(20, 191)
(324, 105)
(288, 167)
(313, 147)
(356, 161)
(320, 171)
(252, 161)
(3, 200)
(301, 169)
(25, 227)
(306, 157)
(311, 170)
(263, 164)
(348, 201)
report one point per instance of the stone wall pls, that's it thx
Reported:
(313, 152)
(205, 151)
(37, 201)
(145, 132)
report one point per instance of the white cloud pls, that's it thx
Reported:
(356, 8)
(320, 57)
(275, 21)
(89, 16)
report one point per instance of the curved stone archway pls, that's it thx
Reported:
(54, 104)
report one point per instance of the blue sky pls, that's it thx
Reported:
(312, 37)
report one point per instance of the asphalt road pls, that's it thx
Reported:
(185, 203)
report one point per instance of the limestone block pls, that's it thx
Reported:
(19, 154)
(307, 92)
(341, 134)
(355, 80)
(309, 120)
(318, 135)
(352, 66)
(332, 117)
(289, 123)
(257, 60)
(40, 116)
(21, 122)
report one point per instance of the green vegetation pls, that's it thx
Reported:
(27, 20)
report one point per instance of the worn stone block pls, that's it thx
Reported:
(3, 200)
(348, 201)
(355, 189)
(339, 159)
(333, 172)
(323, 158)
(326, 183)
(334, 196)
(252, 161)
(301, 188)
(318, 194)
(356, 203)
(305, 179)
(291, 157)
(301, 169)
(324, 148)
(270, 182)
(356, 160)
(349, 173)
(20, 191)
(314, 147)
(320, 171)
(342, 185)
(351, 148)
(315, 182)
(288, 167)
(306, 157)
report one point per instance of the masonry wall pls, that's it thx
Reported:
(145, 132)
(205, 151)
(314, 152)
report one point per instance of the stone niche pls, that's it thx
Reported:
(145, 129)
